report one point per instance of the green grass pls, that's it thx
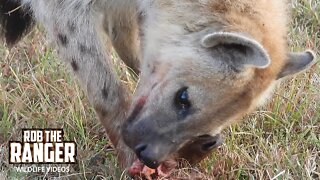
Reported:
(279, 141)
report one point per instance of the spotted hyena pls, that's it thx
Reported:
(203, 65)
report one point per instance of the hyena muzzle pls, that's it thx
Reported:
(202, 64)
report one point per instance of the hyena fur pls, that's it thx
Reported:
(77, 28)
(204, 64)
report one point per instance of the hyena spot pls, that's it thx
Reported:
(63, 39)
(114, 33)
(71, 26)
(74, 65)
(83, 48)
(153, 70)
(141, 17)
(154, 85)
(77, 6)
(105, 91)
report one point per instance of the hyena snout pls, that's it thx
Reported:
(151, 154)
(193, 151)
(150, 146)
(153, 145)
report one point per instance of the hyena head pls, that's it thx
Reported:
(205, 65)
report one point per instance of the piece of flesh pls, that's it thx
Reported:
(138, 169)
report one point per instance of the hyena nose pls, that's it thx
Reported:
(146, 156)
(140, 148)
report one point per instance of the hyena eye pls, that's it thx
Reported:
(182, 100)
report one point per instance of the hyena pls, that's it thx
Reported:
(78, 28)
(203, 65)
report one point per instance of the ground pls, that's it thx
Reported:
(279, 141)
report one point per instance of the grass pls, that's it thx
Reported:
(279, 141)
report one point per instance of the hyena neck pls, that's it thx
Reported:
(74, 26)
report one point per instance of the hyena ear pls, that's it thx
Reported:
(297, 62)
(248, 52)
